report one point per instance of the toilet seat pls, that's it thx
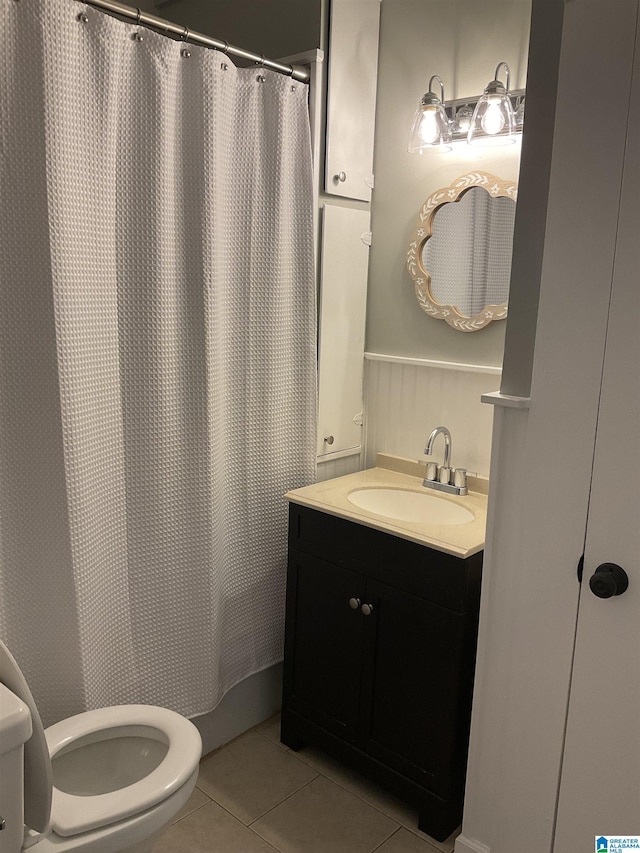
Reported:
(117, 836)
(72, 814)
(143, 757)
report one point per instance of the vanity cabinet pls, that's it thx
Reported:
(379, 657)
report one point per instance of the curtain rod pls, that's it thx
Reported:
(186, 34)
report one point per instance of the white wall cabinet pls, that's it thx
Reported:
(344, 263)
(351, 97)
(348, 77)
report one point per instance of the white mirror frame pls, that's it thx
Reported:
(421, 278)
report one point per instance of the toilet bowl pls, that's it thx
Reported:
(102, 781)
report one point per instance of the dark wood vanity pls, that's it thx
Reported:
(379, 658)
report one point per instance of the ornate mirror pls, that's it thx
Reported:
(460, 255)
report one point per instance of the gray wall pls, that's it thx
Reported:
(275, 28)
(462, 41)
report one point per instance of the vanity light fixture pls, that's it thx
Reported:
(431, 125)
(494, 118)
(494, 121)
(520, 112)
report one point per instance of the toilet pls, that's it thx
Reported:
(102, 781)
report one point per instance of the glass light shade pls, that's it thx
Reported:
(493, 121)
(430, 128)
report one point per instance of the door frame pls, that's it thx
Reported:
(543, 449)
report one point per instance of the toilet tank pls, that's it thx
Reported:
(15, 730)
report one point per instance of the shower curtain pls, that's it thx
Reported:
(157, 358)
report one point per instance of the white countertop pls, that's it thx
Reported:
(461, 540)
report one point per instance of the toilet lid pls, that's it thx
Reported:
(38, 779)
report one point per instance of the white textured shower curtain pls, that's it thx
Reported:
(157, 358)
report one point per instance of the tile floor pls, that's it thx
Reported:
(255, 795)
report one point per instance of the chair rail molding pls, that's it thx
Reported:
(430, 362)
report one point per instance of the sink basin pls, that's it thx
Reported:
(404, 505)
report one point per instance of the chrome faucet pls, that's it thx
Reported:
(441, 477)
(447, 444)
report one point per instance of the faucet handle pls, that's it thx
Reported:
(432, 471)
(460, 476)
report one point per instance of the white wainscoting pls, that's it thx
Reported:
(406, 398)
(330, 468)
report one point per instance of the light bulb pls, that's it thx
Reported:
(463, 119)
(493, 120)
(428, 127)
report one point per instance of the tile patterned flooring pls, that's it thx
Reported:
(255, 795)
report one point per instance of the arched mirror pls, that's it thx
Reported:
(460, 255)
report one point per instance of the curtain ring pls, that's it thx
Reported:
(184, 52)
(225, 49)
(137, 36)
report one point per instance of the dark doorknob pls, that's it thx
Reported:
(608, 580)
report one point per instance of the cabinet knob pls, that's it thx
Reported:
(354, 603)
(329, 439)
(608, 580)
(367, 609)
(341, 176)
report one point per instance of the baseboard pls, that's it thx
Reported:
(470, 845)
(248, 703)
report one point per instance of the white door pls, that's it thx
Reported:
(600, 779)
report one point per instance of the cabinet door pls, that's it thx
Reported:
(415, 691)
(351, 97)
(343, 306)
(323, 643)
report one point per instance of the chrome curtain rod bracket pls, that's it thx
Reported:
(183, 33)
